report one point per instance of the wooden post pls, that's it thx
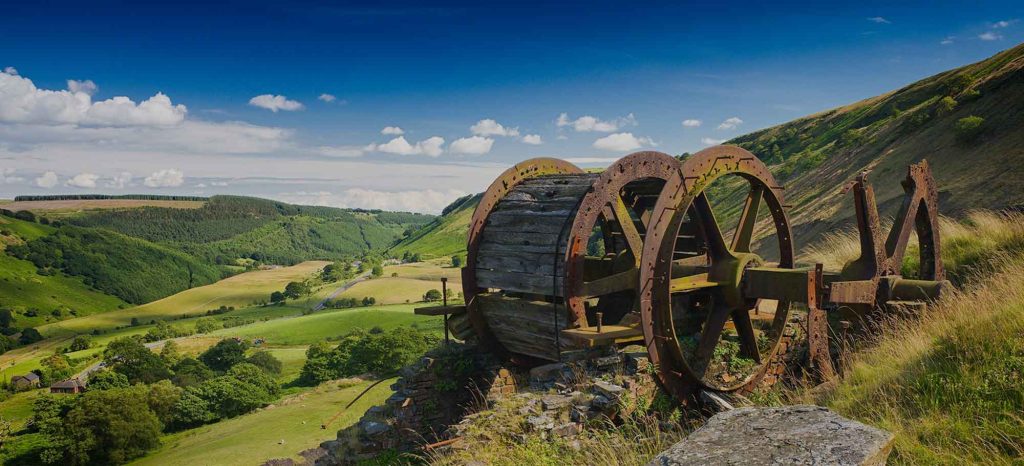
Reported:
(600, 317)
(444, 301)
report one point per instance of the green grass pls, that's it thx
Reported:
(21, 289)
(443, 237)
(327, 324)
(238, 291)
(17, 409)
(256, 437)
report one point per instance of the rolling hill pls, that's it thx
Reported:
(443, 236)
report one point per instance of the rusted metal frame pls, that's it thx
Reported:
(873, 258)
(818, 354)
(628, 228)
(655, 272)
(494, 194)
(919, 211)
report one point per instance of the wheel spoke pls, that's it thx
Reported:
(748, 218)
(636, 243)
(709, 336)
(712, 232)
(691, 283)
(745, 329)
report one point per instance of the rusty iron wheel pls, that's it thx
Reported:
(691, 279)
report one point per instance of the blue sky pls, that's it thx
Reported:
(473, 87)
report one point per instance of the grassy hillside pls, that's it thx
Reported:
(444, 236)
(932, 119)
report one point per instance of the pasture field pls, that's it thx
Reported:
(278, 431)
(330, 324)
(393, 290)
(21, 287)
(72, 206)
(238, 291)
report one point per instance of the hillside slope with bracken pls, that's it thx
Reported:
(967, 122)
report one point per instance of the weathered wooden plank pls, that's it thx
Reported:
(489, 247)
(535, 263)
(521, 282)
(606, 285)
(609, 334)
(550, 240)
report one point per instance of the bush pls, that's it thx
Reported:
(266, 361)
(362, 352)
(432, 295)
(377, 270)
(946, 105)
(128, 356)
(224, 354)
(103, 427)
(969, 128)
(456, 261)
(189, 372)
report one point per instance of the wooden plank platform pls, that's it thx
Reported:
(454, 309)
(610, 334)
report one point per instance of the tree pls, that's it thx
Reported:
(377, 270)
(104, 427)
(969, 128)
(128, 356)
(6, 318)
(319, 366)
(189, 372)
(207, 325)
(161, 398)
(29, 336)
(170, 354)
(432, 295)
(192, 409)
(369, 301)
(255, 376)
(456, 261)
(277, 297)
(415, 257)
(107, 380)
(81, 342)
(295, 290)
(224, 354)
(56, 367)
(266, 361)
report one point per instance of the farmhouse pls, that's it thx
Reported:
(68, 386)
(29, 380)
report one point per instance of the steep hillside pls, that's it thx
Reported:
(445, 235)
(968, 123)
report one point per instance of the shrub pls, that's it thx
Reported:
(104, 427)
(224, 354)
(969, 128)
(266, 361)
(128, 356)
(946, 105)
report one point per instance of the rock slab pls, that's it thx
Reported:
(801, 434)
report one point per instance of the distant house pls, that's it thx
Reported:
(21, 382)
(68, 386)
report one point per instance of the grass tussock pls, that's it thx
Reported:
(950, 385)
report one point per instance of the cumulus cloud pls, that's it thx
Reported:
(392, 131)
(989, 35)
(119, 181)
(11, 71)
(166, 178)
(83, 180)
(430, 146)
(711, 141)
(341, 151)
(691, 123)
(47, 180)
(730, 123)
(489, 127)
(622, 142)
(22, 102)
(274, 103)
(7, 176)
(87, 86)
(1003, 24)
(425, 201)
(588, 123)
(879, 20)
(327, 98)
(473, 145)
(532, 139)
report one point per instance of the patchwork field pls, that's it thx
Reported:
(278, 431)
(238, 291)
(65, 207)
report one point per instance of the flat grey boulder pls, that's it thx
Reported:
(801, 434)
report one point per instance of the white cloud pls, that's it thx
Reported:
(120, 180)
(692, 123)
(731, 123)
(473, 145)
(47, 180)
(392, 131)
(275, 103)
(327, 98)
(489, 127)
(11, 71)
(989, 36)
(622, 142)
(588, 123)
(86, 86)
(532, 139)
(7, 176)
(425, 201)
(430, 146)
(218, 183)
(1003, 24)
(22, 102)
(166, 178)
(83, 180)
(879, 20)
(561, 137)
(947, 40)
(711, 141)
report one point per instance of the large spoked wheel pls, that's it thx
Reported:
(701, 331)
